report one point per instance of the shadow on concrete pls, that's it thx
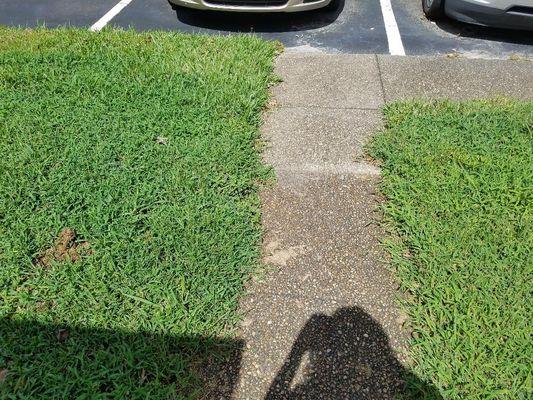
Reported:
(259, 22)
(345, 356)
(48, 361)
(485, 33)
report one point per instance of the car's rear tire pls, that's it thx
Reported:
(434, 9)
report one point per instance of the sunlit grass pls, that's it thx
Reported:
(458, 178)
(144, 145)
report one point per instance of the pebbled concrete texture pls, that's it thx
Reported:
(320, 80)
(324, 322)
(331, 351)
(454, 78)
(329, 231)
(318, 136)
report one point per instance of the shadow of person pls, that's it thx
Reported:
(345, 356)
(259, 22)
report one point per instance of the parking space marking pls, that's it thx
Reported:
(391, 27)
(108, 16)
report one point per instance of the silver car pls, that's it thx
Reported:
(512, 14)
(256, 5)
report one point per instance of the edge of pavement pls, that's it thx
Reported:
(328, 292)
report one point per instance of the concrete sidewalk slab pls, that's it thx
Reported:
(321, 80)
(458, 79)
(328, 285)
(315, 349)
(323, 243)
(298, 177)
(317, 136)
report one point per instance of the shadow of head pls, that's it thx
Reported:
(346, 355)
(259, 22)
(48, 361)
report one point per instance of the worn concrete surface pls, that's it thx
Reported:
(320, 140)
(324, 321)
(454, 78)
(343, 81)
(322, 240)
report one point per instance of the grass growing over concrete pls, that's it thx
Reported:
(458, 181)
(129, 216)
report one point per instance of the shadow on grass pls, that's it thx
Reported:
(346, 355)
(41, 361)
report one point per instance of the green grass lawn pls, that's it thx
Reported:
(144, 146)
(458, 181)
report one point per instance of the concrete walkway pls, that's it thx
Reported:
(324, 322)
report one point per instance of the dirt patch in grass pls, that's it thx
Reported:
(67, 247)
(143, 144)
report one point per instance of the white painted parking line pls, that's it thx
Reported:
(391, 27)
(98, 25)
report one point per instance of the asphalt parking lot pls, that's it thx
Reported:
(357, 26)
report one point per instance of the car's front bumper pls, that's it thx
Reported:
(480, 12)
(253, 5)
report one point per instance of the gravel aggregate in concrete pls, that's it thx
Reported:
(326, 138)
(454, 78)
(321, 80)
(323, 322)
(327, 288)
(316, 349)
